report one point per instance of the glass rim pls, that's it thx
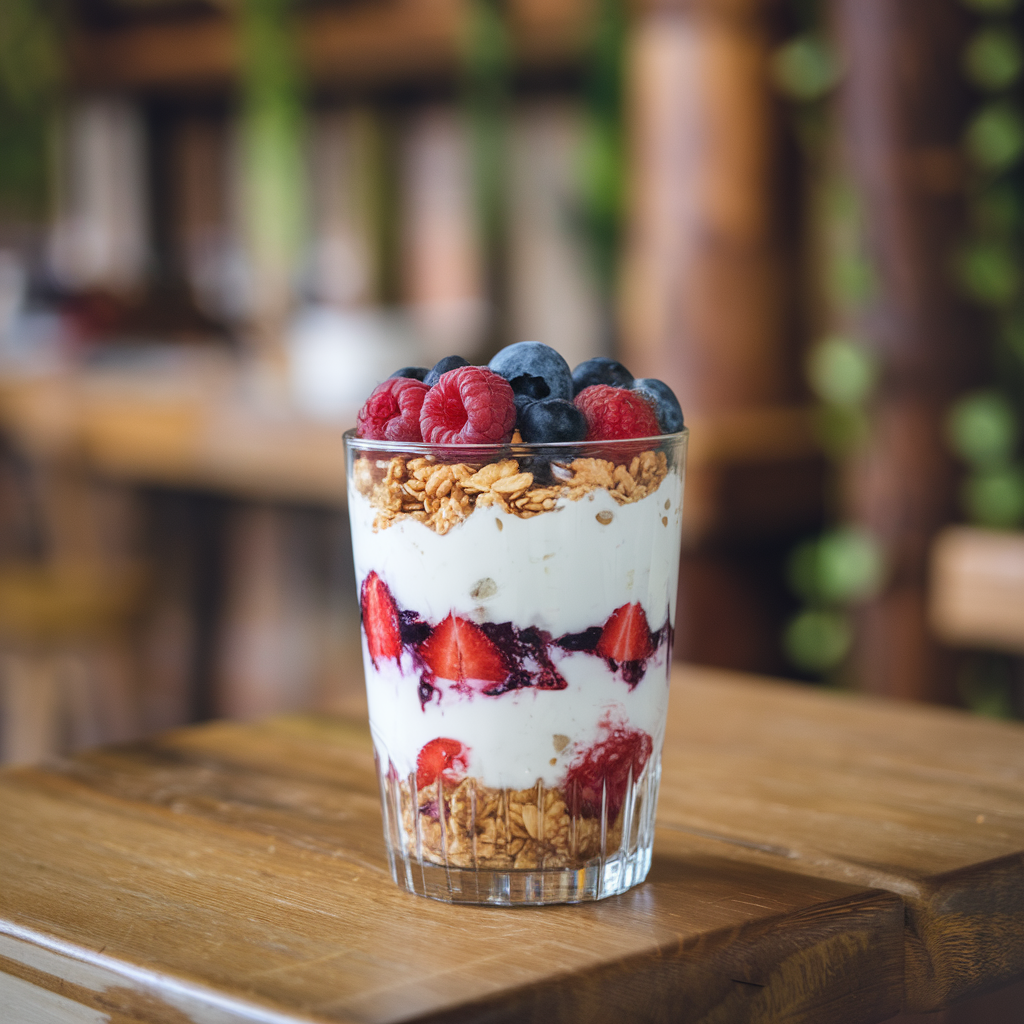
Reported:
(516, 447)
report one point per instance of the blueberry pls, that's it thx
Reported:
(666, 405)
(550, 420)
(534, 370)
(443, 366)
(522, 401)
(600, 370)
(413, 372)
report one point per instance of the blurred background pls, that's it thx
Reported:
(222, 222)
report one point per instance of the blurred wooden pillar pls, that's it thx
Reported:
(902, 114)
(707, 304)
(707, 281)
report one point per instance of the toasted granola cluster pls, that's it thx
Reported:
(501, 829)
(441, 495)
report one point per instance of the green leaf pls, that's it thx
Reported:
(997, 209)
(1012, 336)
(841, 429)
(841, 371)
(805, 68)
(993, 59)
(995, 138)
(991, 6)
(982, 429)
(985, 684)
(995, 498)
(840, 567)
(989, 272)
(818, 641)
(852, 278)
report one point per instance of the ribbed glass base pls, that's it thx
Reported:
(467, 843)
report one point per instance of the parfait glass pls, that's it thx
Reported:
(517, 608)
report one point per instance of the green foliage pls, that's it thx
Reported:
(806, 68)
(993, 59)
(841, 371)
(982, 429)
(1012, 337)
(817, 641)
(488, 70)
(30, 79)
(840, 567)
(841, 429)
(989, 272)
(995, 498)
(603, 155)
(991, 6)
(995, 137)
(853, 278)
(997, 209)
(985, 683)
(272, 130)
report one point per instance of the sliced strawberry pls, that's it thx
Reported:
(459, 650)
(626, 635)
(444, 757)
(380, 620)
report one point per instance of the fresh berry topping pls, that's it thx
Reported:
(606, 768)
(469, 405)
(626, 635)
(551, 420)
(666, 405)
(614, 413)
(412, 372)
(600, 370)
(381, 621)
(534, 370)
(459, 650)
(392, 412)
(443, 366)
(444, 757)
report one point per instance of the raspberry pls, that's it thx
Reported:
(392, 412)
(469, 405)
(614, 413)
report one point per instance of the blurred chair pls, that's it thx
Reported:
(66, 663)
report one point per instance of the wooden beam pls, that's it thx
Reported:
(359, 45)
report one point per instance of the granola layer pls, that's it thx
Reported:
(441, 495)
(502, 829)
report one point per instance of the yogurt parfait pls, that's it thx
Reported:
(516, 533)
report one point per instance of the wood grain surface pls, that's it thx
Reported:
(820, 857)
(232, 872)
(922, 801)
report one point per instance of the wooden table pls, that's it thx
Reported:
(820, 857)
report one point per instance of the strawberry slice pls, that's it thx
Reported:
(444, 757)
(380, 620)
(459, 650)
(626, 635)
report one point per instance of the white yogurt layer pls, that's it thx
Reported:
(563, 571)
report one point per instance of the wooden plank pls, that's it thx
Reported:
(232, 873)
(923, 801)
(365, 44)
(977, 588)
